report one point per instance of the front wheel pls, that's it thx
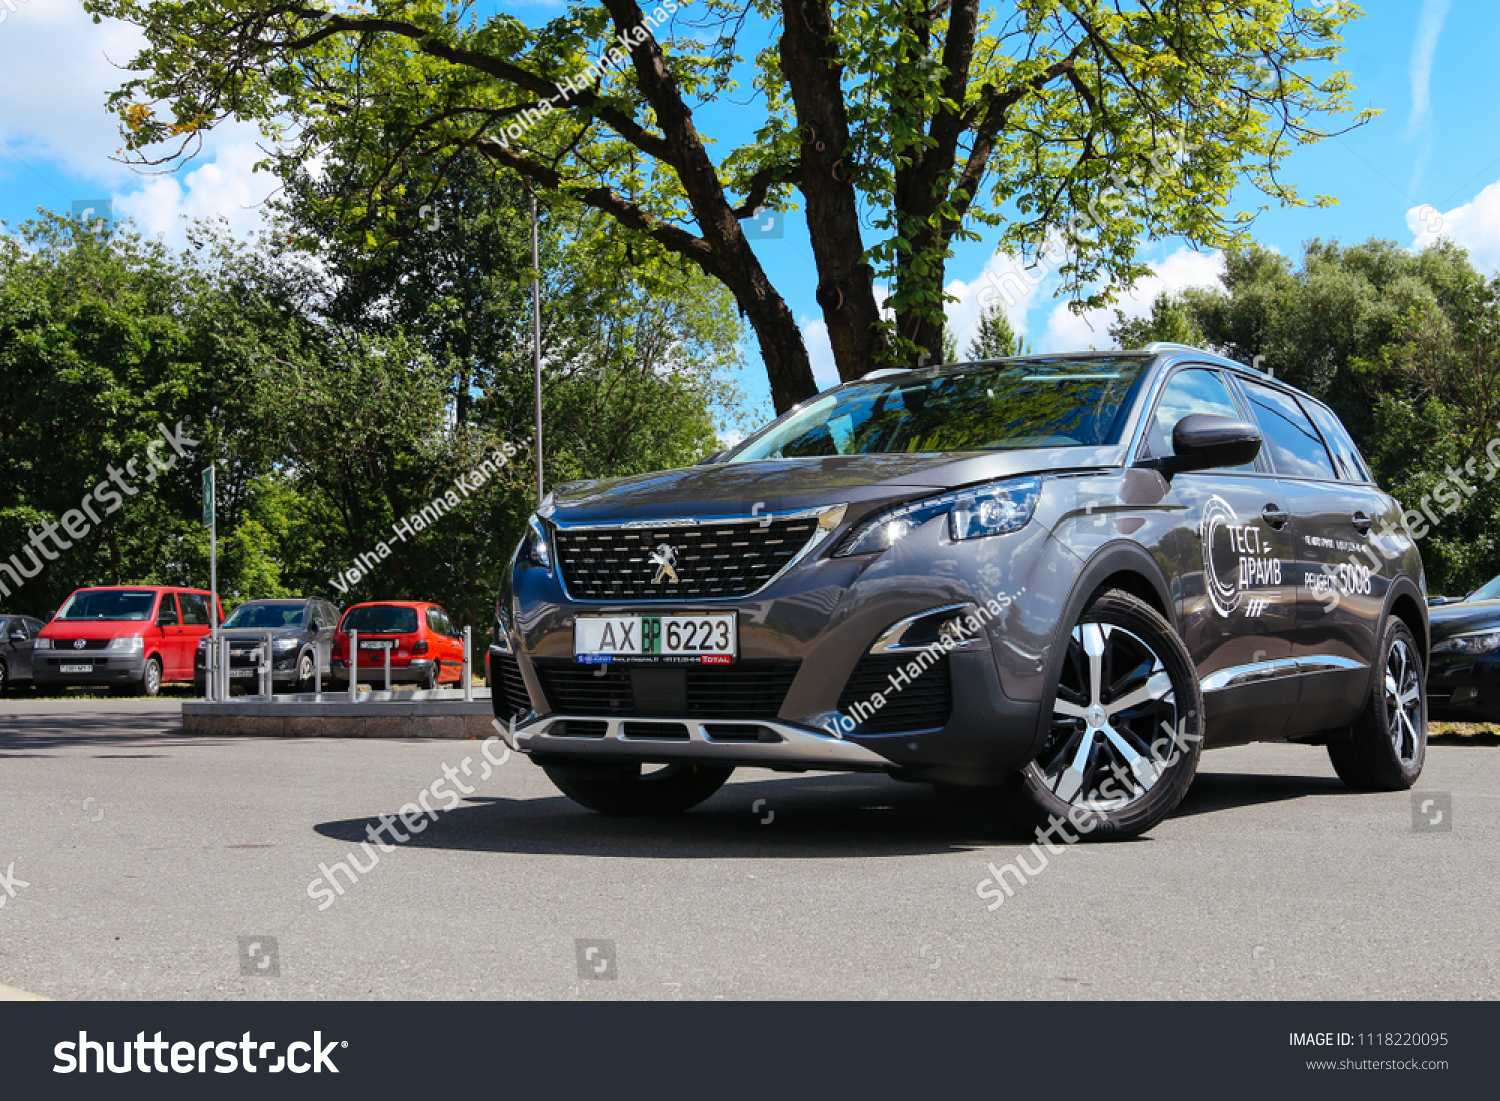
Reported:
(1126, 733)
(150, 684)
(630, 791)
(1387, 746)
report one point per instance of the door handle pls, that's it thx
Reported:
(1361, 522)
(1276, 516)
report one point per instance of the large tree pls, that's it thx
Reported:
(1071, 129)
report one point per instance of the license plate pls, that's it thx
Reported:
(77, 668)
(243, 672)
(696, 639)
(379, 644)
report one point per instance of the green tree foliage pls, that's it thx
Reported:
(1074, 127)
(994, 337)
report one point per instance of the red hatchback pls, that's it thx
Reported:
(132, 637)
(425, 647)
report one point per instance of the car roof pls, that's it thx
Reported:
(142, 588)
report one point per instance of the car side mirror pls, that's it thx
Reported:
(1202, 441)
(18, 636)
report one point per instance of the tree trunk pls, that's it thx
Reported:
(846, 283)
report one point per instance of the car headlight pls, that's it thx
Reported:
(42, 644)
(284, 645)
(534, 544)
(994, 509)
(1475, 642)
(130, 645)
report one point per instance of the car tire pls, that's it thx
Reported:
(304, 679)
(627, 791)
(1386, 747)
(431, 677)
(150, 684)
(1108, 769)
(4, 676)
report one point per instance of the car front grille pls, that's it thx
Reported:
(748, 690)
(710, 560)
(71, 645)
(925, 703)
(507, 687)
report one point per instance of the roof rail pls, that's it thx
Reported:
(886, 372)
(1159, 346)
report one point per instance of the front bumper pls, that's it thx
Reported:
(416, 671)
(1464, 689)
(107, 667)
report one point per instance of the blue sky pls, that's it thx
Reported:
(1428, 166)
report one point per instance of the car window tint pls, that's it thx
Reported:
(381, 619)
(6, 628)
(33, 626)
(167, 612)
(194, 609)
(1346, 457)
(1194, 390)
(1296, 449)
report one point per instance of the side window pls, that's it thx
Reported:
(166, 615)
(34, 626)
(447, 624)
(1346, 457)
(6, 627)
(1296, 449)
(435, 622)
(194, 609)
(1194, 390)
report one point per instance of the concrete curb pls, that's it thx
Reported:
(338, 718)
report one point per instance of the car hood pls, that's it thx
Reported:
(94, 628)
(1465, 615)
(780, 485)
(258, 632)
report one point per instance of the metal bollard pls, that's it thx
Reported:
(223, 667)
(353, 666)
(264, 676)
(210, 681)
(387, 652)
(317, 673)
(468, 664)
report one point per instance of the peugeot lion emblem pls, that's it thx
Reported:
(664, 558)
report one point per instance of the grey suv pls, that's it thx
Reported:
(1057, 576)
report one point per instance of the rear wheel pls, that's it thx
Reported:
(430, 678)
(1387, 745)
(629, 790)
(1126, 729)
(4, 676)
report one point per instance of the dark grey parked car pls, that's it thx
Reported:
(302, 643)
(1059, 576)
(17, 639)
(1464, 681)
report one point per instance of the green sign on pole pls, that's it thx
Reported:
(208, 497)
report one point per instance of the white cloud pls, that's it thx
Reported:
(1423, 47)
(1475, 225)
(61, 66)
(1070, 332)
(1011, 284)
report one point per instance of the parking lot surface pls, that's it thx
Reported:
(140, 863)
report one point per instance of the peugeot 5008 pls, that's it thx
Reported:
(1059, 576)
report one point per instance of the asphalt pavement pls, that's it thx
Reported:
(136, 862)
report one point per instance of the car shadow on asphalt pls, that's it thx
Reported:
(34, 734)
(811, 817)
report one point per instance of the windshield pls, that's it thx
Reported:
(381, 619)
(1048, 403)
(1490, 590)
(117, 604)
(266, 615)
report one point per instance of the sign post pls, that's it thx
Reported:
(210, 522)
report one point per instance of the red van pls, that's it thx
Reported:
(130, 637)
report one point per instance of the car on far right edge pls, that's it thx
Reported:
(1463, 683)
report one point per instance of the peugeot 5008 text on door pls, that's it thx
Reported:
(129, 637)
(1060, 576)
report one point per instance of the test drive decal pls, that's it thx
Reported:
(1253, 568)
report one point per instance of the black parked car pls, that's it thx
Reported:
(1463, 683)
(1058, 576)
(303, 627)
(17, 639)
